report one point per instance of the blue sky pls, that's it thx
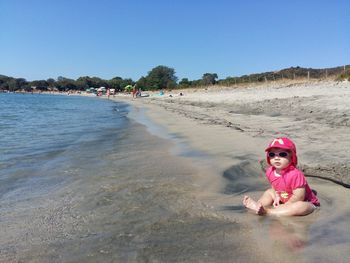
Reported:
(41, 39)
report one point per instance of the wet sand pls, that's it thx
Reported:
(229, 129)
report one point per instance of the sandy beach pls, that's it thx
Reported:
(227, 129)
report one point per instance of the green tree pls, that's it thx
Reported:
(65, 84)
(51, 83)
(39, 84)
(142, 83)
(160, 77)
(126, 82)
(4, 82)
(88, 82)
(84, 82)
(115, 83)
(98, 82)
(209, 78)
(21, 82)
(185, 83)
(81, 85)
(11, 84)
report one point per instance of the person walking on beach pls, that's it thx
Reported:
(290, 193)
(134, 91)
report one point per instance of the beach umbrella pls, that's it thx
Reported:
(128, 87)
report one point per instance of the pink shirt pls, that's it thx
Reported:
(290, 179)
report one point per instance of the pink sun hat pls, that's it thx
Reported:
(283, 143)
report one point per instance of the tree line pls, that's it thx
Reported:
(162, 77)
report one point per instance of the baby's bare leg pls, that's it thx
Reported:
(253, 205)
(299, 208)
(267, 198)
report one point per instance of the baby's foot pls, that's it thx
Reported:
(255, 206)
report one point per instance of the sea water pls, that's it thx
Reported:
(80, 181)
(43, 136)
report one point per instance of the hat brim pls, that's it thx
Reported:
(278, 147)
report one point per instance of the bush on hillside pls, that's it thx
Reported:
(345, 75)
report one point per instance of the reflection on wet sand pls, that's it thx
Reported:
(291, 234)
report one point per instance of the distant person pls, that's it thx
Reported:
(134, 91)
(108, 93)
(290, 194)
(138, 93)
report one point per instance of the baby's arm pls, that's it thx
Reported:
(298, 195)
(277, 199)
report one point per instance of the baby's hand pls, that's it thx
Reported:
(276, 201)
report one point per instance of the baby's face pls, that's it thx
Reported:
(279, 158)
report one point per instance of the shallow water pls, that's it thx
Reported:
(81, 182)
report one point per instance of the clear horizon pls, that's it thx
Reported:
(106, 39)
